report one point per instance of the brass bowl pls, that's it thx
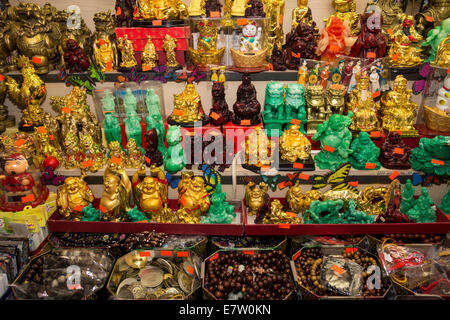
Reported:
(249, 60)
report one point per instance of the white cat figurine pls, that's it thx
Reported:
(443, 99)
(250, 37)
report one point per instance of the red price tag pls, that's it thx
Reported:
(102, 42)
(41, 129)
(146, 68)
(144, 253)
(370, 165)
(298, 165)
(353, 183)
(349, 250)
(52, 137)
(291, 214)
(399, 150)
(190, 270)
(303, 176)
(281, 19)
(375, 134)
(183, 254)
(395, 57)
(178, 112)
(19, 142)
(265, 168)
(28, 198)
(78, 208)
(270, 66)
(2, 77)
(284, 226)
(102, 209)
(166, 253)
(88, 163)
(214, 257)
(116, 160)
(376, 94)
(328, 148)
(296, 55)
(156, 22)
(337, 269)
(249, 252)
(390, 31)
(282, 185)
(241, 22)
(214, 115)
(297, 255)
(435, 161)
(245, 122)
(214, 14)
(429, 18)
(296, 121)
(36, 60)
(147, 160)
(394, 175)
(371, 55)
(109, 65)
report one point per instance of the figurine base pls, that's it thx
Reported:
(407, 133)
(311, 126)
(202, 123)
(13, 206)
(164, 23)
(410, 74)
(403, 166)
(27, 127)
(248, 69)
(252, 168)
(308, 165)
(252, 123)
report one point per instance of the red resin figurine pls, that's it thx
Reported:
(395, 153)
(247, 110)
(335, 40)
(371, 43)
(255, 9)
(74, 57)
(393, 214)
(151, 151)
(220, 107)
(124, 13)
(300, 43)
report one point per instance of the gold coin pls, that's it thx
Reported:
(134, 260)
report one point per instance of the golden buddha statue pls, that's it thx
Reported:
(206, 52)
(169, 46)
(302, 14)
(258, 148)
(193, 198)
(187, 106)
(276, 215)
(399, 112)
(74, 103)
(298, 202)
(115, 200)
(405, 46)
(72, 197)
(443, 54)
(116, 152)
(150, 194)
(256, 197)
(294, 145)
(346, 11)
(104, 46)
(126, 48)
(135, 157)
(238, 8)
(149, 58)
(160, 10)
(365, 110)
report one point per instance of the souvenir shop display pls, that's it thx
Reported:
(431, 15)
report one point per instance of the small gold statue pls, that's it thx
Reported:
(72, 197)
(346, 11)
(53, 129)
(405, 47)
(44, 147)
(298, 202)
(302, 14)
(135, 158)
(399, 112)
(294, 145)
(187, 106)
(196, 8)
(277, 215)
(193, 197)
(92, 154)
(275, 12)
(258, 148)
(391, 11)
(336, 98)
(238, 8)
(256, 197)
(105, 47)
(72, 148)
(207, 52)
(90, 126)
(150, 194)
(365, 117)
(161, 10)
(169, 46)
(126, 48)
(149, 58)
(316, 108)
(116, 154)
(443, 54)
(372, 200)
(74, 103)
(115, 200)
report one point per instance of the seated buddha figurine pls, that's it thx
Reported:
(72, 197)
(247, 110)
(302, 14)
(395, 153)
(160, 10)
(365, 153)
(115, 200)
(399, 112)
(187, 107)
(150, 194)
(364, 109)
(405, 46)
(346, 11)
(294, 145)
(193, 197)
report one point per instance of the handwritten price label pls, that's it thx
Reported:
(296, 121)
(28, 198)
(370, 165)
(353, 183)
(375, 134)
(284, 226)
(156, 22)
(116, 160)
(214, 14)
(88, 163)
(338, 269)
(297, 165)
(214, 115)
(102, 209)
(178, 112)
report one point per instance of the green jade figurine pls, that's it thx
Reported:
(432, 156)
(220, 211)
(111, 124)
(90, 213)
(365, 153)
(435, 37)
(136, 216)
(423, 211)
(355, 216)
(445, 203)
(335, 138)
(133, 127)
(176, 159)
(274, 101)
(154, 119)
(408, 201)
(295, 104)
(324, 212)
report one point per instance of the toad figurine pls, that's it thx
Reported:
(247, 110)
(256, 199)
(395, 153)
(365, 153)
(294, 145)
(193, 197)
(72, 197)
(115, 200)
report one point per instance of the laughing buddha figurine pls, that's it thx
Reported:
(193, 198)
(187, 106)
(405, 47)
(294, 145)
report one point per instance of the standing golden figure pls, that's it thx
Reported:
(346, 11)
(126, 48)
(169, 46)
(149, 58)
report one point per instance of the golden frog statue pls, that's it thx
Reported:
(258, 148)
(104, 44)
(276, 215)
(115, 200)
(187, 106)
(150, 194)
(74, 103)
(399, 112)
(72, 197)
(193, 197)
(135, 158)
(405, 47)
(365, 117)
(161, 10)
(256, 197)
(346, 11)
(149, 58)
(126, 48)
(294, 145)
(372, 200)
(169, 46)
(298, 202)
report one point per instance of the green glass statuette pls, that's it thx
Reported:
(90, 213)
(423, 211)
(324, 212)
(295, 104)
(365, 153)
(154, 118)
(133, 127)
(220, 211)
(445, 203)
(432, 156)
(274, 102)
(176, 159)
(111, 124)
(408, 200)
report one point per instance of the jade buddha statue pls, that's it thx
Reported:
(445, 203)
(432, 156)
(399, 112)
(133, 127)
(335, 138)
(154, 118)
(423, 211)
(408, 200)
(365, 153)
(110, 123)
(220, 211)
(321, 212)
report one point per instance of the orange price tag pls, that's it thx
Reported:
(249, 252)
(448, 70)
(183, 254)
(118, 11)
(348, 250)
(303, 176)
(395, 56)
(282, 185)
(399, 150)
(297, 255)
(435, 161)
(147, 159)
(102, 209)
(88, 163)
(79, 208)
(36, 60)
(394, 175)
(52, 137)
(297, 165)
(102, 42)
(178, 112)
(2, 77)
(109, 65)
(41, 129)
(19, 142)
(190, 270)
(143, 221)
(353, 183)
(214, 257)
(291, 214)
(116, 160)
(296, 121)
(398, 131)
(241, 22)
(371, 55)
(337, 269)
(328, 148)
(144, 253)
(376, 94)
(66, 110)
(334, 48)
(375, 134)
(370, 165)
(296, 55)
(245, 122)
(166, 253)
(270, 66)
(156, 22)
(28, 198)
(214, 115)
(214, 14)
(146, 68)
(265, 168)
(281, 19)
(429, 18)
(390, 31)
(284, 226)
